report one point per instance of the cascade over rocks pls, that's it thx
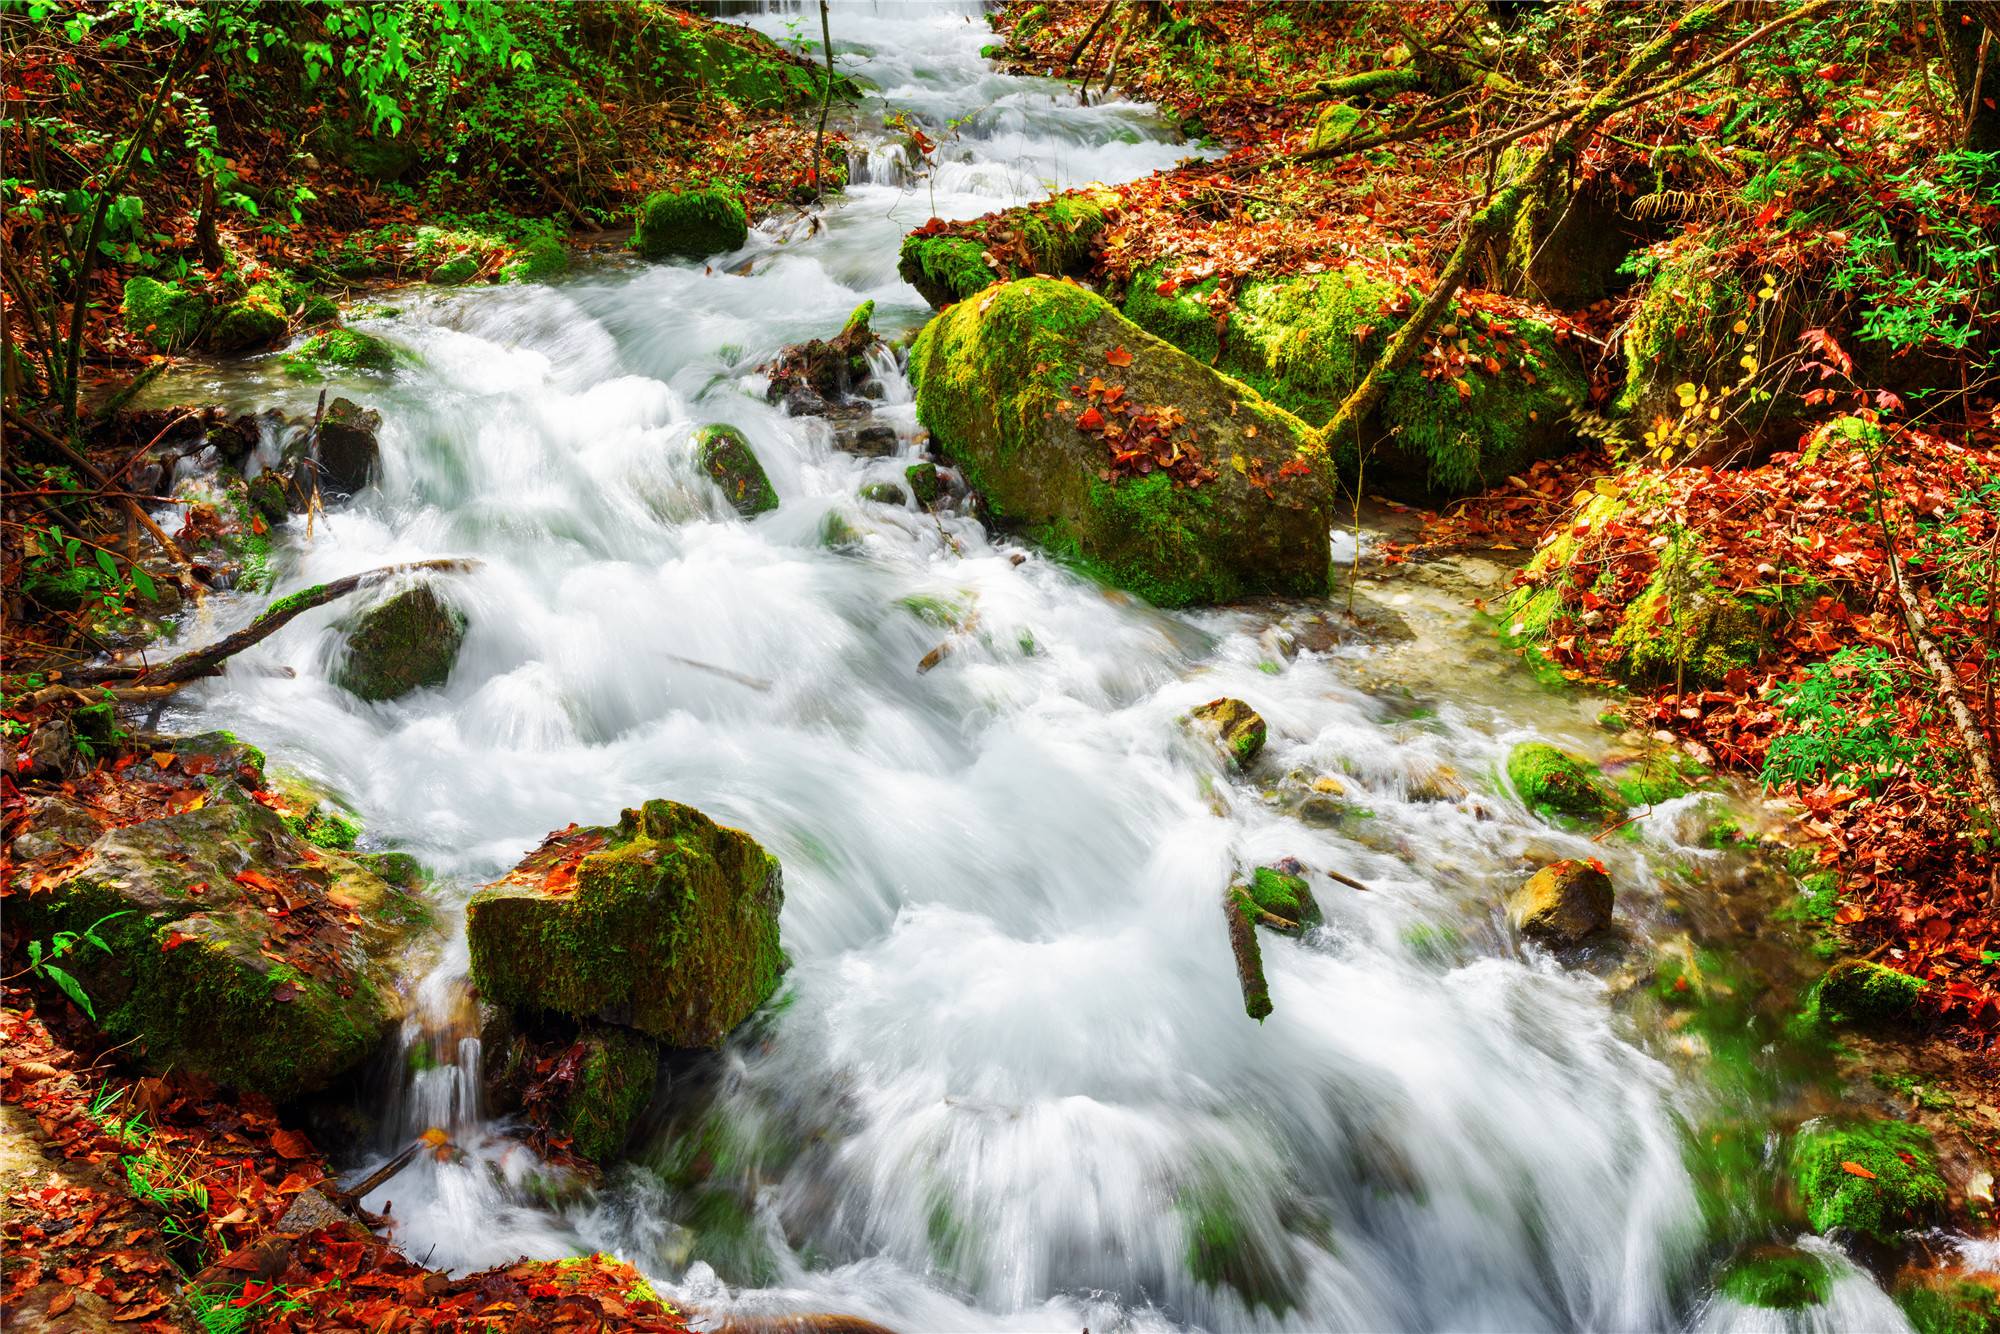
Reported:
(240, 950)
(666, 923)
(407, 642)
(996, 384)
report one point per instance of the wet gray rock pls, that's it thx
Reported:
(348, 450)
(873, 441)
(405, 643)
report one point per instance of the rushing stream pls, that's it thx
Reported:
(1008, 1082)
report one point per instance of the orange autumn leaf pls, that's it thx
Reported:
(1858, 1170)
(1091, 420)
(1118, 356)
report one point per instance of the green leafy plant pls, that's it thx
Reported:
(42, 962)
(1847, 716)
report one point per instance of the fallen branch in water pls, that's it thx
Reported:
(1349, 881)
(741, 678)
(165, 679)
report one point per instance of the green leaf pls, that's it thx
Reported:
(144, 583)
(72, 990)
(105, 563)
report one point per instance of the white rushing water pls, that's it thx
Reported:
(1008, 1082)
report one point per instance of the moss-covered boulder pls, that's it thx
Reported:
(1781, 1278)
(537, 262)
(690, 224)
(1551, 780)
(1050, 237)
(1569, 240)
(666, 923)
(1864, 993)
(339, 461)
(1285, 895)
(239, 950)
(402, 644)
(1236, 728)
(1336, 121)
(1305, 341)
(615, 1069)
(1877, 1179)
(884, 493)
(166, 315)
(729, 461)
(944, 269)
(255, 320)
(343, 347)
(1564, 903)
(925, 483)
(998, 384)
(825, 369)
(455, 272)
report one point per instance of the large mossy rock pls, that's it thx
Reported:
(1304, 342)
(1867, 994)
(538, 261)
(1898, 1187)
(166, 315)
(994, 379)
(1051, 237)
(1569, 240)
(944, 269)
(1684, 624)
(255, 320)
(690, 224)
(1778, 1278)
(343, 347)
(206, 899)
(731, 464)
(405, 643)
(666, 923)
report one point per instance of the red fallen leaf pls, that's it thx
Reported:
(61, 1302)
(1118, 356)
(1858, 1170)
(1091, 420)
(291, 1144)
(285, 992)
(258, 880)
(1169, 287)
(1769, 212)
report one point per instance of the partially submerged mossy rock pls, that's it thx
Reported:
(667, 923)
(883, 493)
(190, 973)
(1782, 1278)
(345, 452)
(924, 483)
(1284, 894)
(1896, 1189)
(690, 224)
(1051, 237)
(455, 272)
(343, 347)
(256, 320)
(993, 378)
(1238, 729)
(822, 371)
(538, 261)
(1950, 1304)
(1240, 911)
(1859, 991)
(405, 643)
(1564, 903)
(166, 315)
(1547, 778)
(613, 1085)
(730, 462)
(1305, 341)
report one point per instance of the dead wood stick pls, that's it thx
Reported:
(381, 1174)
(141, 452)
(90, 470)
(1110, 69)
(1349, 881)
(1089, 33)
(1946, 678)
(196, 663)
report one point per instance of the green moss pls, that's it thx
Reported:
(855, 333)
(691, 224)
(165, 314)
(1682, 626)
(924, 483)
(1657, 777)
(1950, 1305)
(1548, 779)
(1224, 1247)
(672, 929)
(396, 868)
(404, 644)
(343, 347)
(727, 458)
(1337, 121)
(1284, 895)
(456, 271)
(1682, 333)
(944, 269)
(992, 377)
(1778, 1278)
(1861, 992)
(538, 261)
(883, 493)
(1903, 1189)
(257, 320)
(614, 1087)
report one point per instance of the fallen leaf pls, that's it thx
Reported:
(291, 1144)
(1118, 356)
(1858, 1170)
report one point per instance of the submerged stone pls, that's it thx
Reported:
(666, 923)
(347, 449)
(344, 347)
(1782, 1278)
(728, 459)
(994, 379)
(408, 642)
(1285, 894)
(883, 493)
(1564, 903)
(1549, 779)
(1237, 728)
(690, 224)
(924, 482)
(1896, 1186)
